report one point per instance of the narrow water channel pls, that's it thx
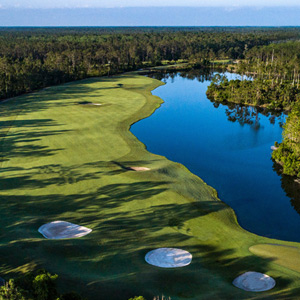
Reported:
(229, 147)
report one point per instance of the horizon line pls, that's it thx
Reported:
(178, 6)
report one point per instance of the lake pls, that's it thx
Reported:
(229, 147)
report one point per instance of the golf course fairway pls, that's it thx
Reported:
(62, 160)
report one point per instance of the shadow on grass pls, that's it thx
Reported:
(56, 96)
(21, 143)
(111, 258)
(45, 99)
(57, 174)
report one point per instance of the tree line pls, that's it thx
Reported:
(287, 154)
(274, 82)
(258, 92)
(31, 59)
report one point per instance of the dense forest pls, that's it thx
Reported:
(33, 58)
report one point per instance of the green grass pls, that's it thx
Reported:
(64, 161)
(287, 256)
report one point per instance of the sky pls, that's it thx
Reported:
(149, 13)
(143, 3)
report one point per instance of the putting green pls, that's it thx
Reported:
(287, 256)
(63, 161)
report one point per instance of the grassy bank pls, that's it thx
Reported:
(65, 161)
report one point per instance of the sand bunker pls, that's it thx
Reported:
(63, 230)
(254, 282)
(168, 258)
(138, 169)
(89, 103)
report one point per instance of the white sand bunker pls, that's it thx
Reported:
(139, 169)
(254, 282)
(63, 230)
(89, 103)
(168, 258)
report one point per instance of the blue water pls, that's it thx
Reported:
(229, 150)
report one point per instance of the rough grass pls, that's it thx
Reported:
(65, 161)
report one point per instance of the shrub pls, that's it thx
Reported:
(10, 292)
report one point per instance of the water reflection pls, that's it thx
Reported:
(250, 115)
(200, 75)
(235, 112)
(290, 186)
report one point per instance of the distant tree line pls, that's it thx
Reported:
(31, 59)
